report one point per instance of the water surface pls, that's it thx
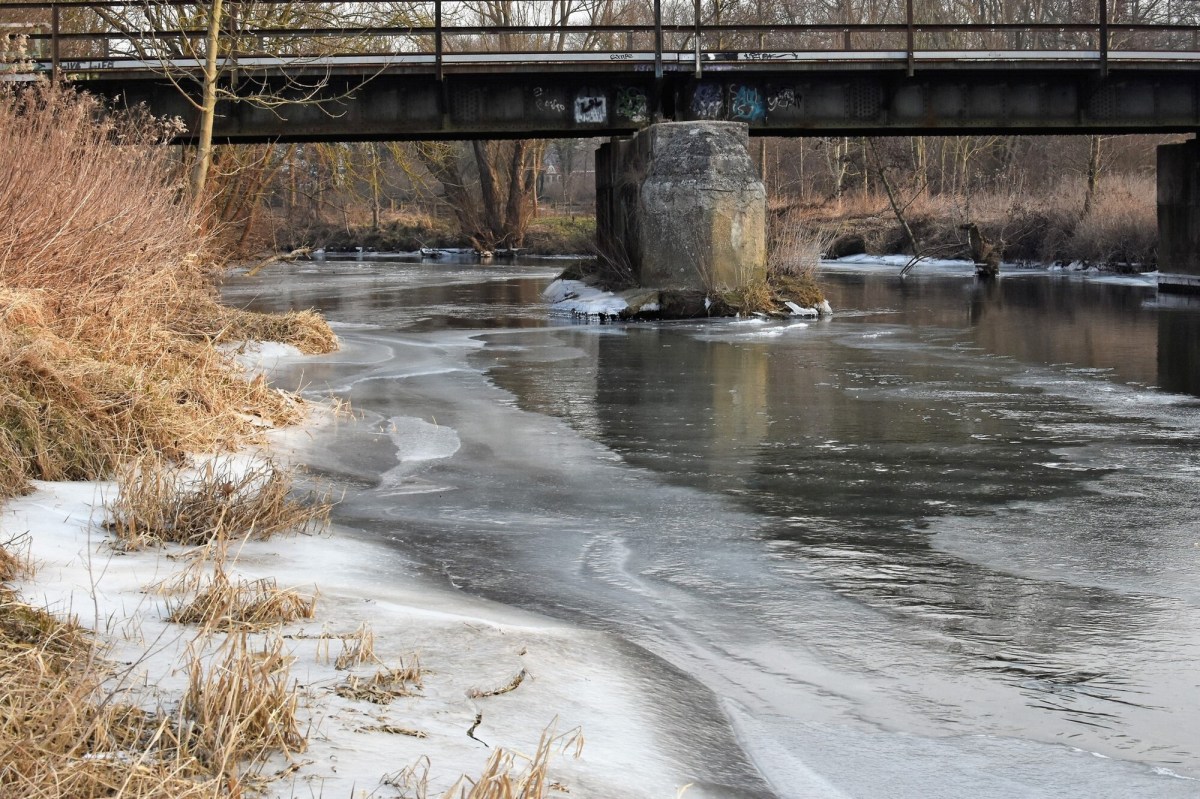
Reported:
(944, 544)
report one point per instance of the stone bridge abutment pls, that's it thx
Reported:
(681, 206)
(1179, 216)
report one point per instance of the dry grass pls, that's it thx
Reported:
(109, 310)
(357, 648)
(1120, 228)
(160, 503)
(225, 604)
(508, 687)
(306, 330)
(14, 559)
(510, 775)
(386, 684)
(507, 775)
(242, 706)
(64, 734)
(795, 243)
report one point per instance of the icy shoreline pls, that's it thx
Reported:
(468, 647)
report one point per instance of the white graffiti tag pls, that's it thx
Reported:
(782, 98)
(591, 108)
(544, 103)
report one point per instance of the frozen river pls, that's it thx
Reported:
(945, 544)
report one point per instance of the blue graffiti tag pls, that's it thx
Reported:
(746, 103)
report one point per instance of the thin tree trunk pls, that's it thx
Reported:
(1093, 172)
(208, 107)
(489, 191)
(374, 186)
(891, 195)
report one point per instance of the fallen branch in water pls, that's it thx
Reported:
(279, 258)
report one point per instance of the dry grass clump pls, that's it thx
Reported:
(243, 604)
(160, 503)
(356, 649)
(63, 734)
(501, 778)
(306, 330)
(14, 564)
(386, 684)
(794, 247)
(105, 345)
(242, 706)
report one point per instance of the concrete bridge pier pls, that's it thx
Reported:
(680, 206)
(1179, 216)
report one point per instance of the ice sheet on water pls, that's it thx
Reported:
(877, 263)
(418, 440)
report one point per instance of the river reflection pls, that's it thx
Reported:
(935, 412)
(1179, 344)
(959, 512)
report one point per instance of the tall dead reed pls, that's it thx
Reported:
(107, 299)
(219, 501)
(66, 732)
(241, 706)
(510, 775)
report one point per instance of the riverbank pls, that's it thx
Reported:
(549, 234)
(1117, 231)
(396, 684)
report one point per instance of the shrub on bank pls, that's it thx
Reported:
(1119, 229)
(108, 310)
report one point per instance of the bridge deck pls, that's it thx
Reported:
(417, 69)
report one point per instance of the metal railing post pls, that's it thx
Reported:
(1103, 37)
(698, 34)
(658, 40)
(437, 38)
(55, 60)
(908, 21)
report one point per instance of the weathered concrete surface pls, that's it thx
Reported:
(682, 204)
(1179, 216)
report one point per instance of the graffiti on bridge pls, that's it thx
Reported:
(632, 104)
(591, 107)
(746, 104)
(707, 102)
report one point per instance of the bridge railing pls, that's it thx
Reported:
(100, 36)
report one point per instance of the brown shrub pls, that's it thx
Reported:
(62, 733)
(105, 345)
(219, 501)
(242, 705)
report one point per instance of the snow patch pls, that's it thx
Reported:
(578, 298)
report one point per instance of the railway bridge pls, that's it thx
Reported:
(302, 70)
